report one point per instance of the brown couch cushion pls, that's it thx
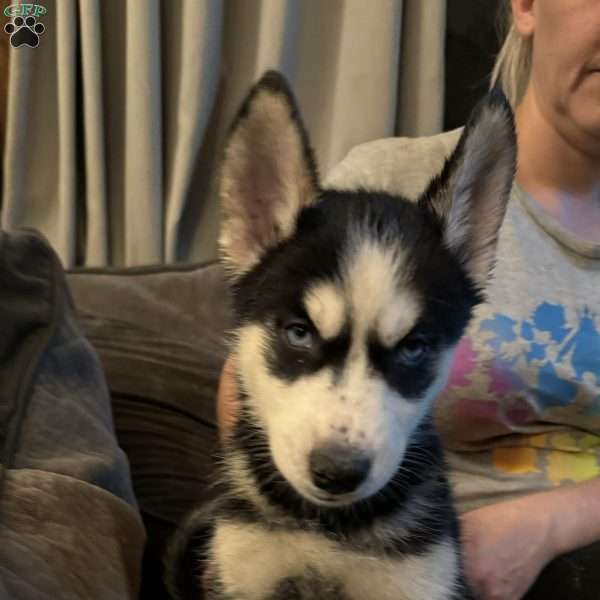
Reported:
(159, 333)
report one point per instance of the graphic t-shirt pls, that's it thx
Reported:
(521, 412)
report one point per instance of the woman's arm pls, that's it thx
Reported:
(576, 516)
(506, 545)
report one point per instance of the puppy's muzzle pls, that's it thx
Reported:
(338, 469)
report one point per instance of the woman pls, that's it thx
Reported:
(521, 414)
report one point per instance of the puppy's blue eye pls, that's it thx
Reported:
(299, 336)
(411, 352)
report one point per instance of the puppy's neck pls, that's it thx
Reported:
(263, 494)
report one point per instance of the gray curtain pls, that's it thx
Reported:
(115, 121)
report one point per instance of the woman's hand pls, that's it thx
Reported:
(507, 545)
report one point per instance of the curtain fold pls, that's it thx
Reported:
(116, 121)
(66, 47)
(143, 134)
(195, 96)
(421, 82)
(15, 150)
(94, 167)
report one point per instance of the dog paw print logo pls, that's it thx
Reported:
(25, 28)
(24, 32)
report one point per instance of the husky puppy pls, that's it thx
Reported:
(349, 304)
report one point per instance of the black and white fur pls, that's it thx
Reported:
(349, 304)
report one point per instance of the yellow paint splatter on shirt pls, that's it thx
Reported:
(537, 441)
(571, 467)
(589, 442)
(565, 457)
(516, 460)
(565, 442)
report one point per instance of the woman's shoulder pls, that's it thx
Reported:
(398, 165)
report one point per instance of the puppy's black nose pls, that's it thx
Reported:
(338, 469)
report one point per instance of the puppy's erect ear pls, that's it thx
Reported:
(268, 174)
(472, 192)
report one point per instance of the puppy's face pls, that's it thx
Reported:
(346, 338)
(350, 303)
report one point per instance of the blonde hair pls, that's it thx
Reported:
(513, 63)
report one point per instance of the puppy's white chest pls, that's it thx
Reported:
(252, 561)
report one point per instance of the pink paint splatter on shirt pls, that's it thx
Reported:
(470, 409)
(463, 365)
(502, 378)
